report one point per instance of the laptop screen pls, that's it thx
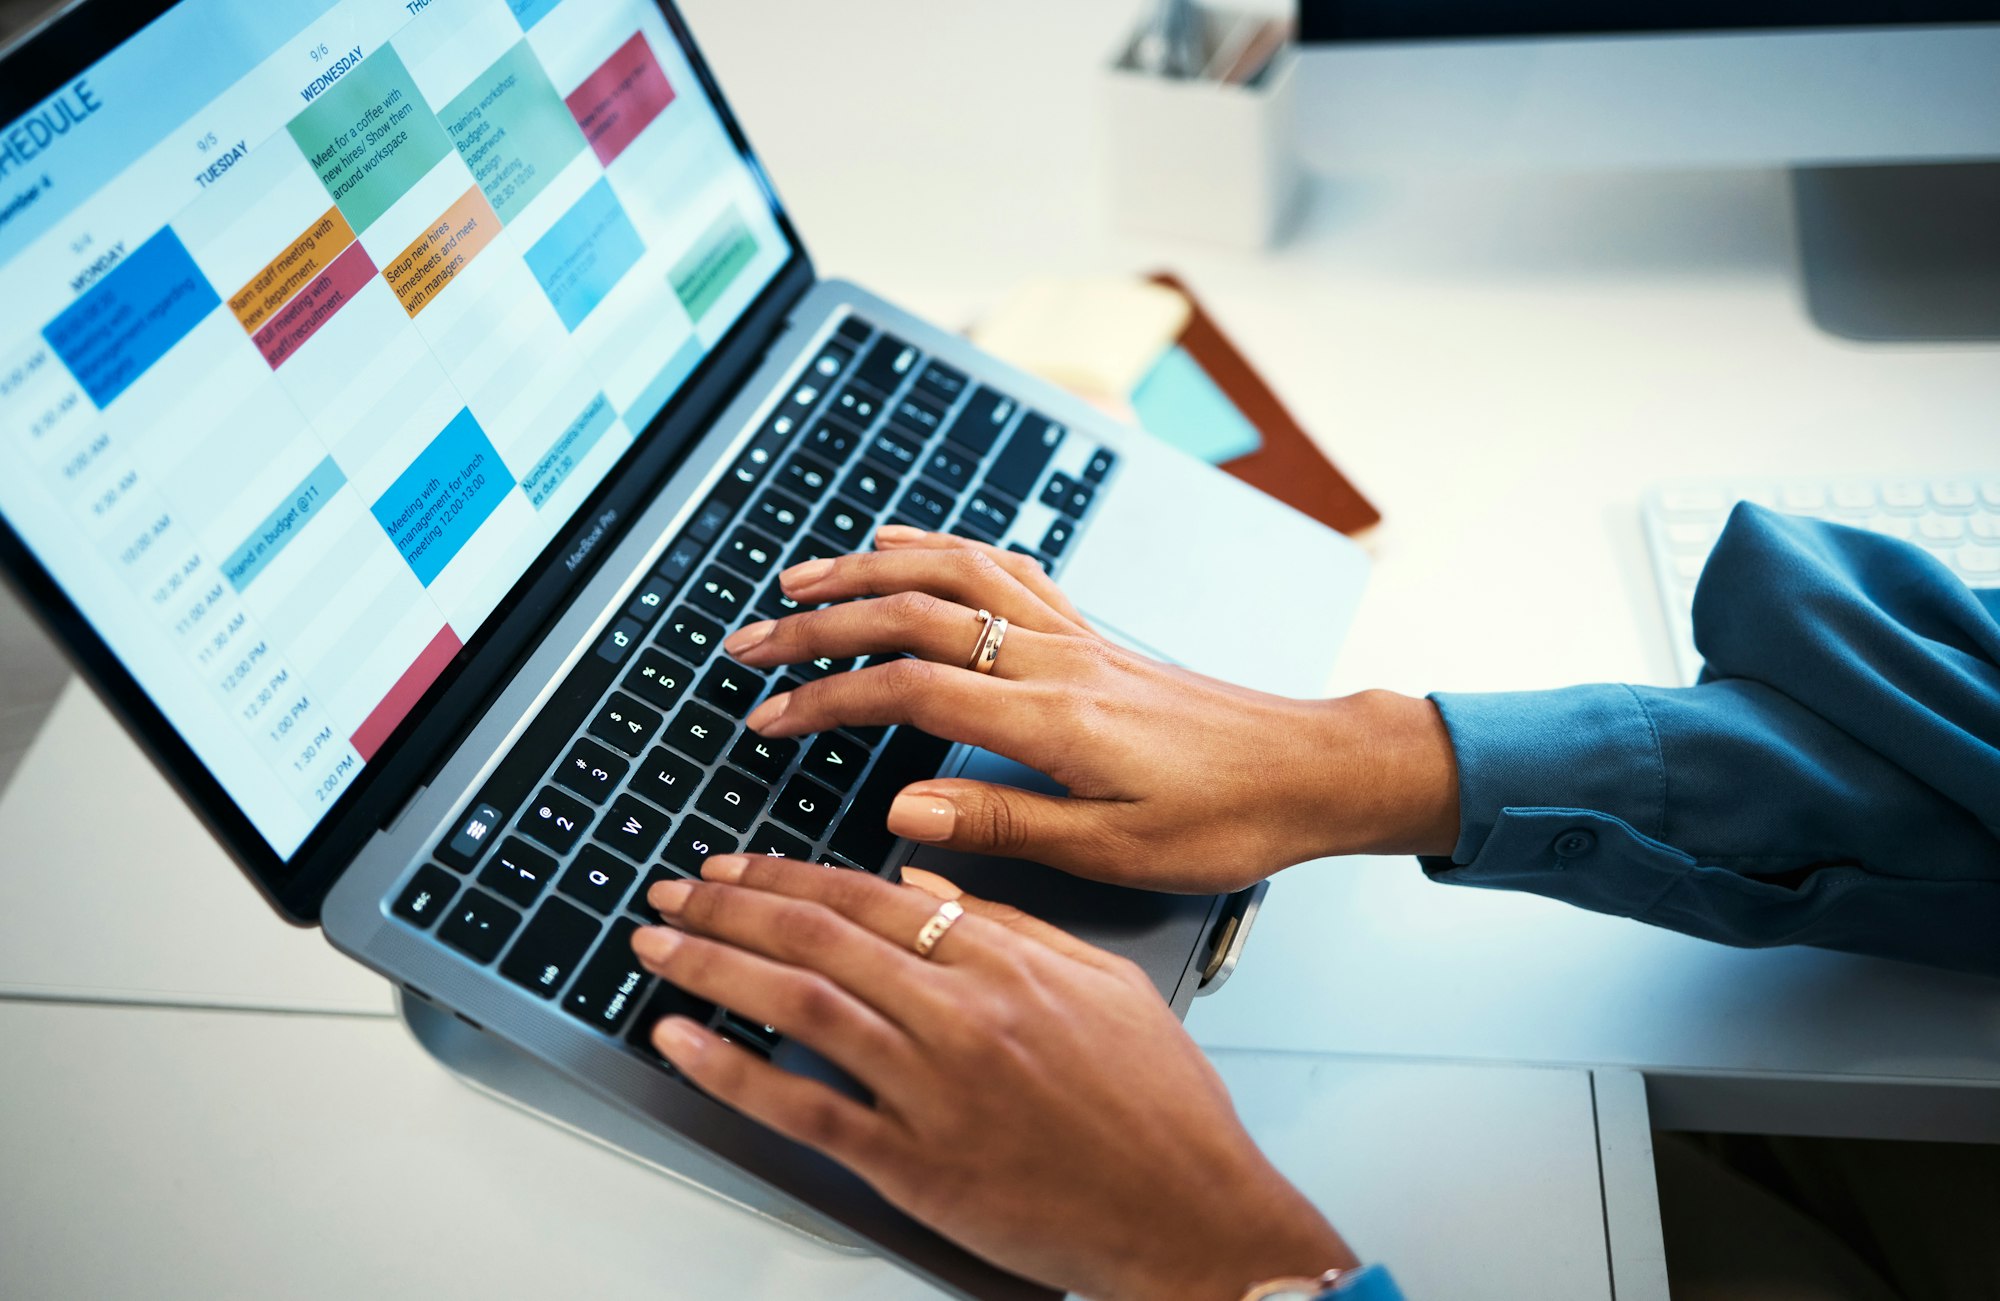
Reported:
(319, 319)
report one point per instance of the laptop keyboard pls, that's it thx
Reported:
(639, 766)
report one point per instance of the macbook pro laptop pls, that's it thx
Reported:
(399, 402)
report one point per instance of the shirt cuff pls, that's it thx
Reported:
(1591, 747)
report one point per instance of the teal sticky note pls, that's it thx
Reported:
(1178, 403)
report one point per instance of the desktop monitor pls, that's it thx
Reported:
(1887, 114)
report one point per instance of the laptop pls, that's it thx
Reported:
(400, 402)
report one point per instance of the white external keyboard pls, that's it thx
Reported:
(1955, 517)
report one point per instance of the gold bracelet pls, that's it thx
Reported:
(1295, 1287)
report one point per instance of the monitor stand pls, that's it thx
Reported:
(507, 1074)
(1901, 253)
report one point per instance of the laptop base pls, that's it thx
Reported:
(500, 1071)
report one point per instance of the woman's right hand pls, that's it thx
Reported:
(1176, 781)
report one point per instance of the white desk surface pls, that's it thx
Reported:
(1503, 362)
(200, 1154)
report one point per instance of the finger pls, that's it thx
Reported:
(892, 912)
(971, 578)
(943, 632)
(897, 537)
(1009, 718)
(866, 954)
(801, 1109)
(800, 1004)
(1084, 837)
(1020, 923)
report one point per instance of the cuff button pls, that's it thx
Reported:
(1575, 843)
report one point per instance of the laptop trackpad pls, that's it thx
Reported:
(1158, 931)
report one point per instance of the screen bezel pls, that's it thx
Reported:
(1344, 21)
(42, 61)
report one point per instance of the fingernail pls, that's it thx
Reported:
(749, 637)
(930, 883)
(655, 944)
(922, 817)
(726, 868)
(678, 1040)
(768, 713)
(894, 535)
(670, 896)
(806, 574)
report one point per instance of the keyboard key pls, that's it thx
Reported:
(807, 806)
(634, 828)
(949, 468)
(979, 426)
(550, 949)
(836, 760)
(775, 604)
(824, 666)
(666, 779)
(733, 799)
(805, 477)
(870, 486)
(1099, 465)
(694, 842)
(854, 329)
(591, 771)
(611, 984)
(665, 1001)
(774, 841)
(845, 523)
(723, 593)
(886, 364)
(927, 504)
(833, 441)
(749, 552)
(760, 1039)
(1020, 464)
(1903, 495)
(598, 880)
(1068, 497)
(426, 897)
(625, 724)
(618, 643)
(941, 382)
(689, 636)
(698, 732)
(1955, 495)
(519, 872)
(1846, 496)
(1986, 526)
(814, 548)
(1056, 540)
(857, 407)
(916, 419)
(651, 601)
(731, 688)
(1941, 528)
(991, 513)
(834, 357)
(863, 836)
(479, 926)
(897, 451)
(764, 759)
(779, 514)
(681, 559)
(557, 819)
(1977, 562)
(659, 680)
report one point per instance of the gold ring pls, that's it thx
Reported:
(987, 653)
(941, 921)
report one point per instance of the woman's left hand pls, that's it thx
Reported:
(1034, 1098)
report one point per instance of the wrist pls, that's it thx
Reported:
(1266, 1229)
(1389, 780)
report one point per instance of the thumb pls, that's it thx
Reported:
(1027, 927)
(981, 818)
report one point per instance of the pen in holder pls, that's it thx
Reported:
(1208, 153)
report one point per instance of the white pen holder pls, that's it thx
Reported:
(1201, 156)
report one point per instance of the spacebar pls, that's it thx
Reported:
(863, 837)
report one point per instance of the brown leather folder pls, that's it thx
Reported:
(1289, 466)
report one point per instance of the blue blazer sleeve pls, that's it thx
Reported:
(1833, 780)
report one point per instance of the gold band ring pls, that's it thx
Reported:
(933, 930)
(987, 653)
